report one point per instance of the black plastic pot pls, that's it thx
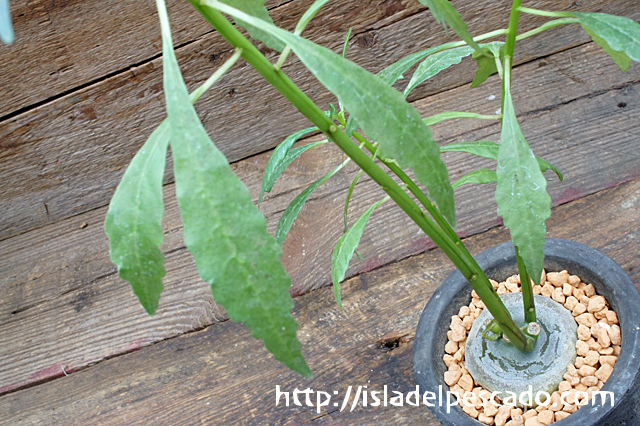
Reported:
(499, 262)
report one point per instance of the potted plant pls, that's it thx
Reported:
(385, 136)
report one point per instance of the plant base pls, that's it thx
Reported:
(499, 367)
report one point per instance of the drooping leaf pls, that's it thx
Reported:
(256, 9)
(487, 64)
(134, 221)
(223, 229)
(489, 149)
(291, 212)
(6, 27)
(523, 201)
(436, 63)
(443, 11)
(347, 245)
(346, 43)
(280, 159)
(616, 35)
(478, 176)
(381, 111)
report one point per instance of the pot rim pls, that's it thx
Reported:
(594, 267)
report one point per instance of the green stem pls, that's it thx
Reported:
(448, 115)
(195, 95)
(509, 47)
(544, 12)
(527, 291)
(546, 26)
(294, 95)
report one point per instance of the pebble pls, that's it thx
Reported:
(590, 290)
(567, 289)
(583, 333)
(586, 319)
(466, 382)
(483, 418)
(558, 278)
(615, 335)
(604, 372)
(579, 309)
(558, 295)
(452, 377)
(596, 304)
(546, 417)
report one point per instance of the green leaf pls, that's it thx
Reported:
(436, 63)
(545, 165)
(381, 111)
(281, 158)
(394, 72)
(523, 201)
(223, 229)
(346, 43)
(134, 221)
(256, 9)
(617, 35)
(479, 176)
(487, 65)
(6, 27)
(309, 14)
(442, 10)
(347, 245)
(489, 149)
(291, 212)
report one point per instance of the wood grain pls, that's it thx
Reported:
(221, 375)
(67, 156)
(62, 304)
(61, 46)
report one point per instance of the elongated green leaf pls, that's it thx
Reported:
(352, 186)
(479, 176)
(256, 9)
(291, 212)
(489, 149)
(281, 158)
(134, 221)
(347, 245)
(617, 35)
(487, 64)
(394, 72)
(442, 10)
(223, 229)
(381, 111)
(309, 14)
(523, 201)
(6, 27)
(436, 63)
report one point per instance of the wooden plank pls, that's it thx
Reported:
(54, 149)
(62, 275)
(60, 46)
(221, 375)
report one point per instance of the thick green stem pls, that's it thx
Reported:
(527, 291)
(294, 95)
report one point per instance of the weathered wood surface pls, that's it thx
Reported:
(66, 157)
(221, 375)
(61, 46)
(62, 303)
